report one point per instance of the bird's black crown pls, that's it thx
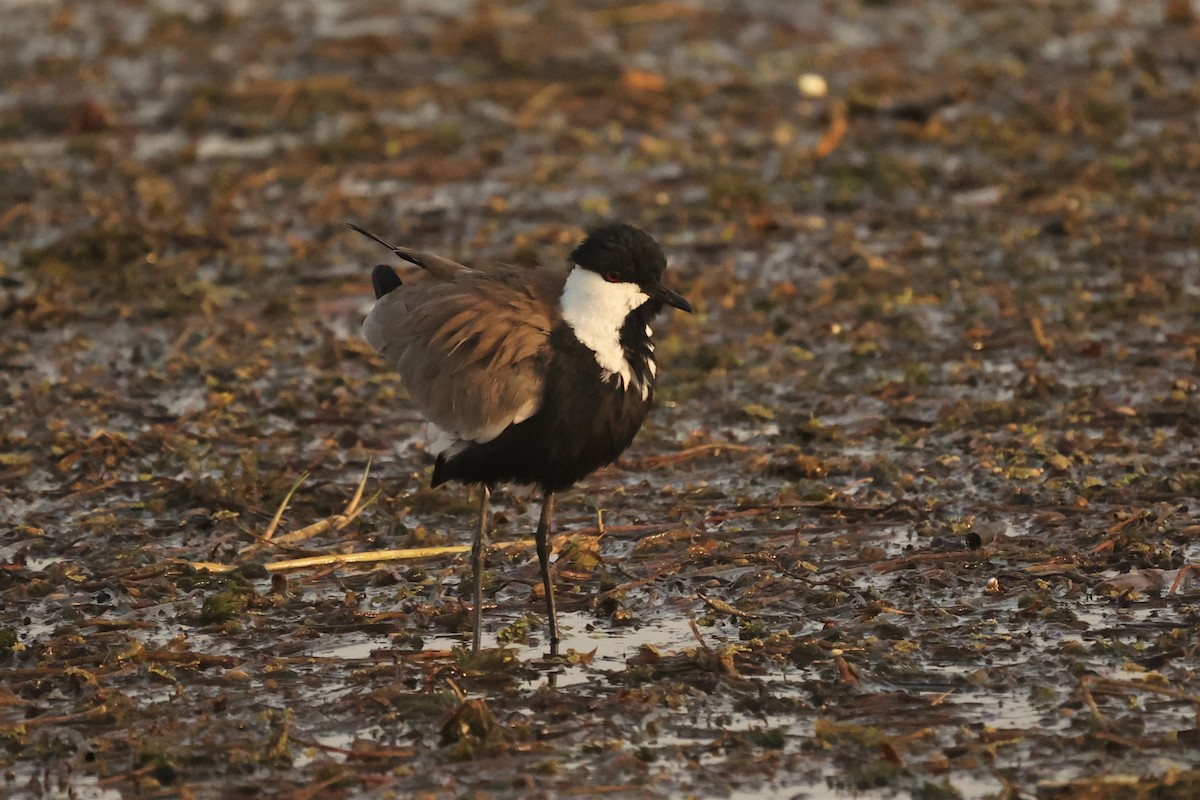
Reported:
(622, 251)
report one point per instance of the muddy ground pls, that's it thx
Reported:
(906, 521)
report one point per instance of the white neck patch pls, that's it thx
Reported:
(596, 309)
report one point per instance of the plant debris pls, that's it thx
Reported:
(916, 514)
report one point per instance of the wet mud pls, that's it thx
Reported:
(914, 516)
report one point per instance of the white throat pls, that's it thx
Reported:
(596, 309)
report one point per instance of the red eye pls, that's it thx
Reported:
(612, 277)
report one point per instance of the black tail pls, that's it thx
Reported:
(385, 280)
(401, 252)
(371, 236)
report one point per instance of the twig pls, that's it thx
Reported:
(108, 484)
(336, 522)
(1039, 334)
(369, 556)
(1110, 533)
(531, 111)
(124, 776)
(1088, 681)
(365, 557)
(190, 657)
(839, 123)
(1132, 744)
(35, 721)
(683, 455)
(717, 604)
(1086, 690)
(846, 673)
(283, 507)
(634, 584)
(1179, 577)
(699, 638)
(641, 530)
(921, 558)
(17, 211)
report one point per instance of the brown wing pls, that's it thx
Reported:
(471, 349)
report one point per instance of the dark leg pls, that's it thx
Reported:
(477, 568)
(542, 537)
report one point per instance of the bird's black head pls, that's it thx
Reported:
(621, 253)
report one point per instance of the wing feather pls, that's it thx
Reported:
(471, 349)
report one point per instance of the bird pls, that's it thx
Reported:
(536, 376)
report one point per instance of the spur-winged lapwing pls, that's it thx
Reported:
(527, 375)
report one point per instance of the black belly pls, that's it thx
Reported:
(584, 424)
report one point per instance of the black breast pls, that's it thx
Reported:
(584, 423)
